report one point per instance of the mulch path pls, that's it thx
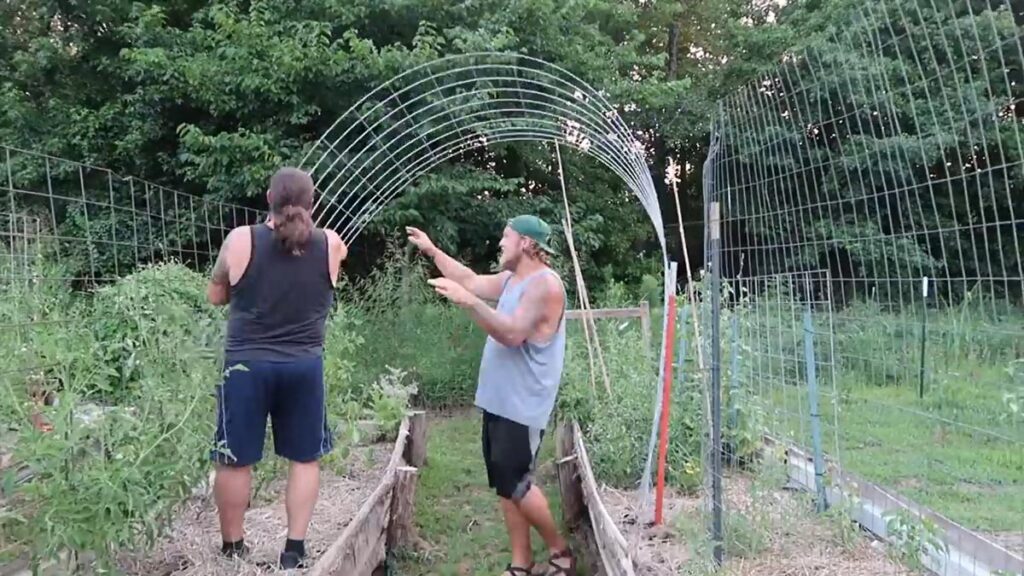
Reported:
(192, 547)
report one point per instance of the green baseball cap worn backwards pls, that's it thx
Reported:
(533, 228)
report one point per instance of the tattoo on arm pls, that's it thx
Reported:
(220, 268)
(532, 308)
(515, 329)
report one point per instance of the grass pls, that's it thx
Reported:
(457, 514)
(883, 434)
(959, 450)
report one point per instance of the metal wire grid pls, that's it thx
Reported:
(67, 225)
(448, 107)
(889, 156)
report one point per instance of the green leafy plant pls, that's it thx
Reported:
(841, 516)
(390, 399)
(131, 371)
(913, 537)
(108, 475)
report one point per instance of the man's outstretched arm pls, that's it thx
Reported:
(511, 330)
(486, 286)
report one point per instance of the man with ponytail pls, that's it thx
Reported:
(278, 278)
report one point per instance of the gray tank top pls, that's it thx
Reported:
(521, 383)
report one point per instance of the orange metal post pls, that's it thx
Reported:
(666, 401)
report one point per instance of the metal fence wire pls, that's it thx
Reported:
(870, 301)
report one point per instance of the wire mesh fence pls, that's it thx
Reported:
(872, 218)
(455, 108)
(108, 354)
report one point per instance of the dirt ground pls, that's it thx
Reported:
(770, 532)
(192, 548)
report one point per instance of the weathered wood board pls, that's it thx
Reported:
(576, 480)
(362, 547)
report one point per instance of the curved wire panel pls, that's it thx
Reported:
(447, 107)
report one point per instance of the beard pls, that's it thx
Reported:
(509, 263)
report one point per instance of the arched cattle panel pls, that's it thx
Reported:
(438, 110)
(431, 113)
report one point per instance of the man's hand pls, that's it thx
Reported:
(453, 291)
(421, 240)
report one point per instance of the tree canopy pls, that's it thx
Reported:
(211, 96)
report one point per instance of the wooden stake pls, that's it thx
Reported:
(673, 179)
(401, 531)
(584, 300)
(416, 445)
(573, 509)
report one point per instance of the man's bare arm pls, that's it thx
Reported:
(516, 329)
(486, 286)
(338, 252)
(218, 290)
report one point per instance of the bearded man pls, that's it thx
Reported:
(520, 374)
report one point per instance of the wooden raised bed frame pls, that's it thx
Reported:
(582, 509)
(385, 521)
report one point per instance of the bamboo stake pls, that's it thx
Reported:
(673, 179)
(588, 320)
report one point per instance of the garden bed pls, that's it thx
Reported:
(365, 507)
(192, 547)
(775, 532)
(770, 529)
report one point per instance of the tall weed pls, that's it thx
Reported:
(407, 326)
(130, 371)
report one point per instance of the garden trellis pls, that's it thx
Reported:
(451, 106)
(871, 193)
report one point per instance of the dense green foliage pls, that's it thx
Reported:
(128, 374)
(212, 96)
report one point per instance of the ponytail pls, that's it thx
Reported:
(294, 228)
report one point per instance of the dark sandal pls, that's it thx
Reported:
(511, 570)
(552, 569)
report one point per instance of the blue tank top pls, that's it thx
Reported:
(521, 383)
(280, 304)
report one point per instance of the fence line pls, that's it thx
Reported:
(108, 350)
(871, 274)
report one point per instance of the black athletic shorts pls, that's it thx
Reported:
(510, 455)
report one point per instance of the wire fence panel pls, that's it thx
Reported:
(108, 354)
(871, 192)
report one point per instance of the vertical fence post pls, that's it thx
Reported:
(645, 324)
(734, 371)
(924, 333)
(647, 481)
(812, 390)
(666, 396)
(716, 383)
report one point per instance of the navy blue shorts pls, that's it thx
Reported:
(291, 393)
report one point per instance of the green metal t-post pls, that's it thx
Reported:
(812, 390)
(924, 333)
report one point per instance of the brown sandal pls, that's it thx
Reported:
(552, 569)
(511, 570)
